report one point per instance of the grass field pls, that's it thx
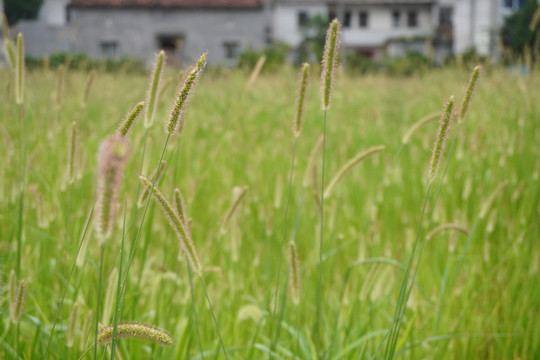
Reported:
(475, 296)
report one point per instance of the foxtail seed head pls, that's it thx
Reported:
(73, 144)
(468, 94)
(491, 199)
(457, 227)
(238, 195)
(175, 123)
(5, 26)
(156, 176)
(129, 119)
(186, 244)
(113, 154)
(18, 302)
(294, 273)
(9, 50)
(300, 96)
(88, 87)
(152, 94)
(180, 206)
(311, 161)
(134, 330)
(19, 70)
(72, 324)
(442, 137)
(329, 63)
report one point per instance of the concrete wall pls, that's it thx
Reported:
(137, 31)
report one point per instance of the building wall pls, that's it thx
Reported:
(137, 32)
(379, 31)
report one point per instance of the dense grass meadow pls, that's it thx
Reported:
(476, 292)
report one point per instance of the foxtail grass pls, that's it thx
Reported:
(419, 242)
(175, 123)
(329, 68)
(19, 71)
(135, 330)
(456, 227)
(129, 119)
(255, 72)
(156, 176)
(294, 273)
(349, 165)
(113, 154)
(184, 239)
(238, 195)
(298, 122)
(72, 153)
(88, 87)
(153, 89)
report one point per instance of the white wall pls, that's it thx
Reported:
(53, 12)
(285, 21)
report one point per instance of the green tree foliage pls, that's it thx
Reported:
(516, 32)
(21, 9)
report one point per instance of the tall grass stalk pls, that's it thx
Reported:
(419, 242)
(298, 122)
(329, 68)
(66, 285)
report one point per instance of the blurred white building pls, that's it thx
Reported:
(375, 28)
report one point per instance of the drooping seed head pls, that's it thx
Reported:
(329, 62)
(59, 87)
(351, 164)
(152, 94)
(294, 272)
(300, 97)
(129, 119)
(134, 330)
(113, 154)
(175, 123)
(184, 238)
(442, 136)
(417, 125)
(156, 177)
(19, 70)
(457, 227)
(468, 94)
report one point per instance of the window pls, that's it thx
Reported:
(396, 16)
(109, 48)
(302, 18)
(347, 19)
(445, 16)
(231, 49)
(364, 19)
(412, 19)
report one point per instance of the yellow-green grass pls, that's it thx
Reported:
(238, 137)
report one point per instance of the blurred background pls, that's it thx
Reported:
(376, 33)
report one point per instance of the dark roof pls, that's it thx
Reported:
(193, 4)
